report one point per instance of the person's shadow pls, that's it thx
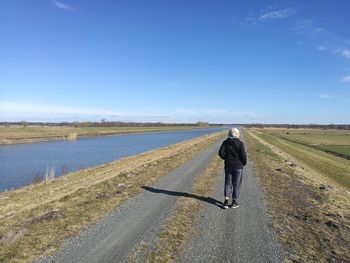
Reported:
(207, 199)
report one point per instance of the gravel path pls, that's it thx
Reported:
(242, 234)
(112, 239)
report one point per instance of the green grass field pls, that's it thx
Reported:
(300, 208)
(327, 164)
(332, 141)
(342, 149)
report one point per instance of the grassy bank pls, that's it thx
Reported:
(307, 194)
(35, 220)
(336, 142)
(179, 228)
(335, 168)
(12, 134)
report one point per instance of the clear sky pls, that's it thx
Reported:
(175, 60)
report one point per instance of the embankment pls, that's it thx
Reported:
(309, 207)
(15, 134)
(36, 219)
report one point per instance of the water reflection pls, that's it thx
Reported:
(25, 164)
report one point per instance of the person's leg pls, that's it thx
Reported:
(236, 184)
(228, 187)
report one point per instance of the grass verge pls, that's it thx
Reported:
(179, 228)
(35, 220)
(312, 222)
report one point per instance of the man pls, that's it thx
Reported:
(233, 152)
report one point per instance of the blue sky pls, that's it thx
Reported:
(175, 61)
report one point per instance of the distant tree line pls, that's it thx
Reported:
(104, 123)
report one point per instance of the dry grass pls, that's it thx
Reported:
(312, 222)
(35, 220)
(18, 134)
(180, 226)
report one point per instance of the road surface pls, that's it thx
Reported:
(223, 235)
(243, 234)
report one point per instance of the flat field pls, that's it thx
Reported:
(333, 141)
(300, 144)
(307, 190)
(10, 134)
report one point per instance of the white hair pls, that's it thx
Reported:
(233, 132)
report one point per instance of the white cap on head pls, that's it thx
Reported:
(233, 132)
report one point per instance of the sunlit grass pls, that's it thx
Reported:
(81, 198)
(301, 210)
(328, 165)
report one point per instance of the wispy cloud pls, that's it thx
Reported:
(62, 6)
(187, 111)
(325, 40)
(17, 111)
(220, 115)
(14, 111)
(15, 107)
(307, 27)
(275, 14)
(269, 15)
(346, 53)
(326, 96)
(346, 79)
(321, 48)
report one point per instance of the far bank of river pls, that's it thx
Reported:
(19, 134)
(22, 164)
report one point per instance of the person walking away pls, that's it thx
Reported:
(233, 152)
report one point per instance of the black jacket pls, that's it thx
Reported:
(233, 152)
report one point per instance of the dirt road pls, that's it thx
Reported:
(231, 235)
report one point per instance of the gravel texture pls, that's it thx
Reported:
(113, 238)
(243, 234)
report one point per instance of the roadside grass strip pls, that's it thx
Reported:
(310, 211)
(35, 220)
(179, 227)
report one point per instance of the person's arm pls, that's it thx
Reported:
(222, 151)
(242, 154)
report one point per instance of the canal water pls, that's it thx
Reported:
(23, 164)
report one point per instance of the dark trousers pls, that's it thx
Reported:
(233, 182)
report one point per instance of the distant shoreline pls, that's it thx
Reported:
(66, 136)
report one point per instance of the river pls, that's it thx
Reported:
(23, 164)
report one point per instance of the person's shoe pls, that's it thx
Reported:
(226, 204)
(234, 204)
